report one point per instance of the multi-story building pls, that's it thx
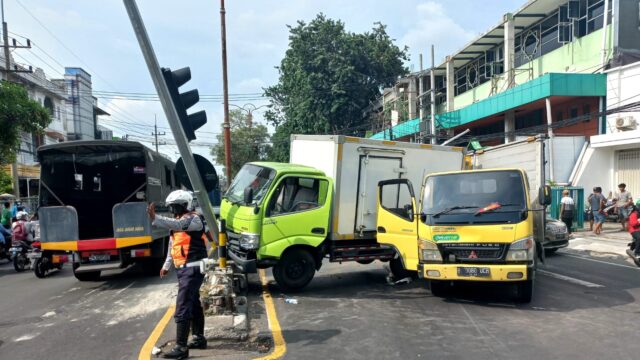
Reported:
(565, 68)
(82, 106)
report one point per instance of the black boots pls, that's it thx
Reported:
(198, 341)
(180, 351)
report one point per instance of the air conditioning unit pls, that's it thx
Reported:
(626, 123)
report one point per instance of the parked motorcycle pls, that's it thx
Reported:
(19, 250)
(42, 262)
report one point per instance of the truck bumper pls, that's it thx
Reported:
(243, 264)
(498, 272)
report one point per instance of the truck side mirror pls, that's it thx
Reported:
(248, 195)
(544, 195)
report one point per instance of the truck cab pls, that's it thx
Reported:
(465, 226)
(277, 214)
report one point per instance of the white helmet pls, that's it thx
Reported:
(180, 197)
(22, 215)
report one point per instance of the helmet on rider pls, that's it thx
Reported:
(22, 215)
(179, 202)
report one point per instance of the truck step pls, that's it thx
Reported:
(98, 267)
(363, 252)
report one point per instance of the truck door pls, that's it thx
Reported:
(372, 169)
(298, 211)
(397, 220)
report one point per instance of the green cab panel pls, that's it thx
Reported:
(240, 218)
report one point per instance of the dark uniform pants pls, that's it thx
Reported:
(188, 302)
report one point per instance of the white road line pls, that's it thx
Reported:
(599, 261)
(121, 290)
(570, 279)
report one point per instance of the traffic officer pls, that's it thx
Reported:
(187, 247)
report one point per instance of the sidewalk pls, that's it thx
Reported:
(612, 242)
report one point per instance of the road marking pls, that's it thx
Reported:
(145, 352)
(121, 290)
(570, 279)
(598, 261)
(279, 345)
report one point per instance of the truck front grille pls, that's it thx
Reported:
(465, 252)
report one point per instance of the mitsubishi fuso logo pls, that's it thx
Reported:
(473, 255)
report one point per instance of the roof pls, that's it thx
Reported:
(287, 167)
(93, 145)
(528, 14)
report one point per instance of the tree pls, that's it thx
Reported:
(328, 77)
(18, 114)
(6, 184)
(248, 142)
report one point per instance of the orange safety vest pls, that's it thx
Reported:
(188, 246)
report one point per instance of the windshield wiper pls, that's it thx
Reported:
(447, 210)
(492, 207)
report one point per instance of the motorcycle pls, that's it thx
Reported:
(4, 249)
(19, 250)
(42, 263)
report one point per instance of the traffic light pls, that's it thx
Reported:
(175, 79)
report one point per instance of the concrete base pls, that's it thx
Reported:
(217, 292)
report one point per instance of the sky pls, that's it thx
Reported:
(97, 36)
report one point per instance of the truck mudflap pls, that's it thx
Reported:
(475, 272)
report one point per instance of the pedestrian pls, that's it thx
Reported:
(597, 203)
(567, 210)
(187, 247)
(634, 227)
(5, 217)
(624, 202)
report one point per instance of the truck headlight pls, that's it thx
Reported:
(249, 241)
(521, 250)
(428, 251)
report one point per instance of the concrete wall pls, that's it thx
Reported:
(596, 169)
(623, 87)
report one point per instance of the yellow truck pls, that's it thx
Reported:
(471, 225)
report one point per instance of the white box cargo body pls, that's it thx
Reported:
(357, 165)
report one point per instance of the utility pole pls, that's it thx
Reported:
(225, 91)
(156, 133)
(432, 81)
(7, 68)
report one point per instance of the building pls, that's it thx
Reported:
(565, 68)
(82, 106)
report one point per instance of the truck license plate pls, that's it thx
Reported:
(99, 257)
(474, 271)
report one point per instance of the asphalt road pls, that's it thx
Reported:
(583, 308)
(61, 318)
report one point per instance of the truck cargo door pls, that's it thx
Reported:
(397, 222)
(372, 170)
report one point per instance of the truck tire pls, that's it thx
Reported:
(86, 276)
(549, 252)
(151, 267)
(398, 270)
(524, 291)
(295, 269)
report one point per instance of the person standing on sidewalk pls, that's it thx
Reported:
(567, 210)
(634, 227)
(597, 202)
(624, 202)
(187, 247)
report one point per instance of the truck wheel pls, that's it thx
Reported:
(398, 270)
(364, 262)
(549, 252)
(86, 276)
(295, 269)
(151, 267)
(524, 291)
(439, 288)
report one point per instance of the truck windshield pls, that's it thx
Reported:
(472, 198)
(255, 176)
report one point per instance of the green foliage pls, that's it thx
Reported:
(247, 143)
(6, 186)
(328, 78)
(18, 114)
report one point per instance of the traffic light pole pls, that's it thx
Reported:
(172, 115)
(225, 94)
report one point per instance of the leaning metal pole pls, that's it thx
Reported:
(172, 115)
(225, 92)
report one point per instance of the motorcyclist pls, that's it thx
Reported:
(187, 247)
(634, 228)
(4, 242)
(19, 227)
